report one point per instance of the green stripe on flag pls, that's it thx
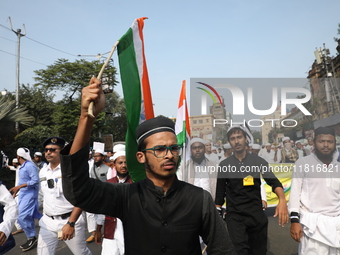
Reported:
(132, 97)
(181, 137)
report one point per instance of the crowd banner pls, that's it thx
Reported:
(284, 173)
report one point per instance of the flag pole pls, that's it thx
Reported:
(185, 174)
(90, 110)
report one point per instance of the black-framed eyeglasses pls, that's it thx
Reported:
(160, 151)
(50, 149)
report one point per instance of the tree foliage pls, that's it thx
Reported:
(39, 104)
(60, 118)
(32, 138)
(9, 114)
(71, 77)
(336, 39)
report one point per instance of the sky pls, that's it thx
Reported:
(183, 39)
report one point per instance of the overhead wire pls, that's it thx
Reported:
(23, 57)
(51, 47)
(74, 55)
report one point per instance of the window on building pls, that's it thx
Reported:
(200, 121)
(195, 121)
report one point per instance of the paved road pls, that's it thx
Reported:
(62, 248)
(280, 242)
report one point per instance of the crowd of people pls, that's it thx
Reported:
(181, 207)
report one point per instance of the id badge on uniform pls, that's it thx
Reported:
(248, 180)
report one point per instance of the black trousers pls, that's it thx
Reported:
(248, 233)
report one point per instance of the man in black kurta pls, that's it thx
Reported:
(240, 183)
(160, 214)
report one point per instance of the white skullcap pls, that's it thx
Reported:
(99, 151)
(197, 140)
(298, 142)
(268, 144)
(285, 138)
(38, 154)
(213, 148)
(24, 153)
(205, 142)
(227, 146)
(256, 146)
(117, 155)
(119, 147)
(273, 146)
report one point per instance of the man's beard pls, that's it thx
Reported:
(122, 175)
(324, 157)
(97, 164)
(198, 160)
(149, 169)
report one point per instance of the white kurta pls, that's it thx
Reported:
(212, 157)
(269, 156)
(315, 195)
(10, 208)
(202, 175)
(317, 192)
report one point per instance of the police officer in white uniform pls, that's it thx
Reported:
(61, 220)
(8, 215)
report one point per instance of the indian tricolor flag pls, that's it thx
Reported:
(136, 90)
(182, 127)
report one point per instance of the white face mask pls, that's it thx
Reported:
(288, 146)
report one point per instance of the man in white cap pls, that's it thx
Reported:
(219, 152)
(314, 203)
(255, 149)
(288, 153)
(28, 196)
(199, 170)
(112, 172)
(113, 238)
(227, 152)
(98, 171)
(310, 146)
(270, 155)
(61, 220)
(300, 150)
(37, 159)
(208, 152)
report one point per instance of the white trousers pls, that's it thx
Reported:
(91, 222)
(48, 236)
(112, 247)
(309, 246)
(17, 225)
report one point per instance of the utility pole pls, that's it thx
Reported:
(19, 35)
